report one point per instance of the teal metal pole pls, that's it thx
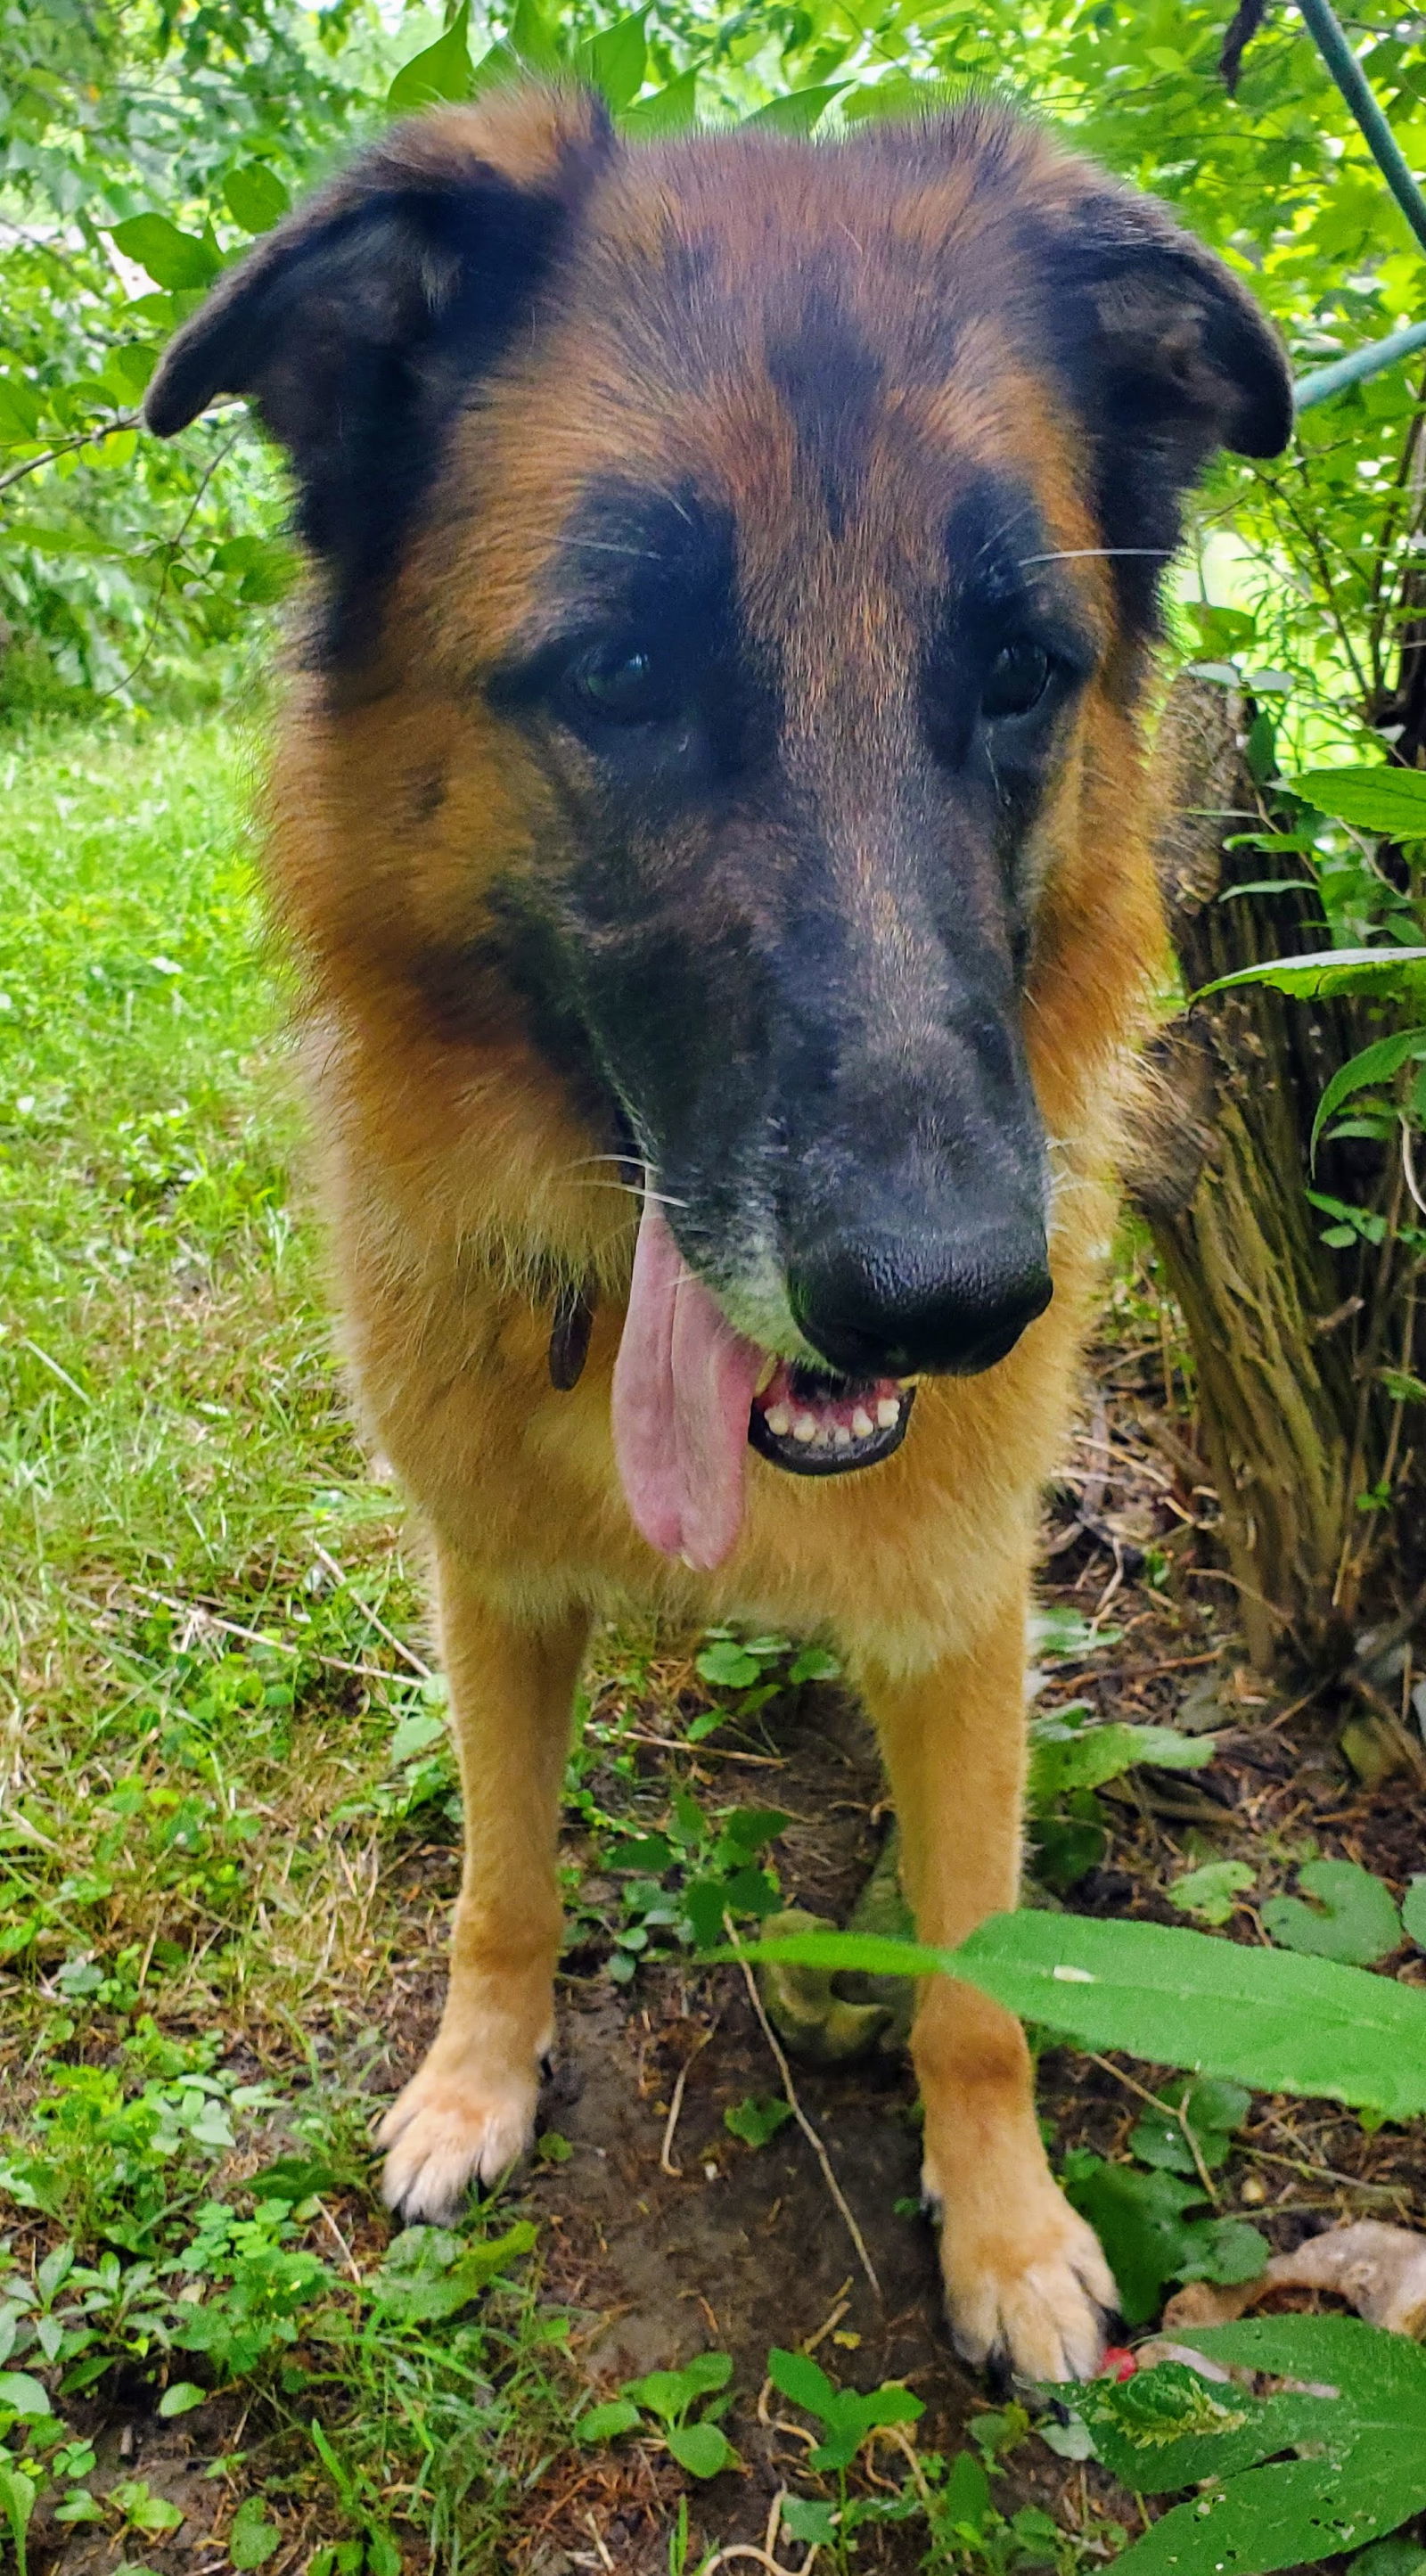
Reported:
(1347, 72)
(1323, 382)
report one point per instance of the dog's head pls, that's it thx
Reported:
(787, 522)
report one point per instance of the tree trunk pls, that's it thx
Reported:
(1288, 1336)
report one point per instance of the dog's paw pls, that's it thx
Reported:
(447, 2130)
(1029, 2292)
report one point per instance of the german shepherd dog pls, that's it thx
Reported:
(710, 811)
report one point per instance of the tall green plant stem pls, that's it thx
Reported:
(1347, 72)
(1323, 382)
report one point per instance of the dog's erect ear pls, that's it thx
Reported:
(356, 323)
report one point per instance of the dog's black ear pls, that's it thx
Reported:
(1168, 359)
(1180, 348)
(354, 326)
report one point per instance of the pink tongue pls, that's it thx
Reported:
(683, 1385)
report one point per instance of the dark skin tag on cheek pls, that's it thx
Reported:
(569, 1337)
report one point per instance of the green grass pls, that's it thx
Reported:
(195, 1929)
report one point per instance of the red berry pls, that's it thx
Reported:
(1117, 2363)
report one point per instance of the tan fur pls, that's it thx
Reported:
(458, 1187)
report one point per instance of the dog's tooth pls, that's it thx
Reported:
(779, 1421)
(805, 1427)
(862, 1423)
(888, 1412)
(842, 1436)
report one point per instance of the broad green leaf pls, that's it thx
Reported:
(668, 111)
(1268, 2018)
(419, 2284)
(1371, 800)
(798, 2376)
(1376, 1063)
(1333, 970)
(1353, 1917)
(532, 38)
(180, 2397)
(414, 1735)
(1413, 1911)
(605, 2423)
(1168, 2427)
(809, 2519)
(254, 2536)
(1087, 1757)
(1384, 2374)
(665, 2393)
(1139, 2220)
(702, 2449)
(727, 1665)
(613, 61)
(1292, 2515)
(24, 2395)
(443, 71)
(171, 258)
(797, 111)
(706, 2373)
(255, 197)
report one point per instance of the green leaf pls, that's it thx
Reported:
(253, 2537)
(1375, 1063)
(1330, 971)
(756, 2119)
(423, 2280)
(1371, 800)
(255, 197)
(180, 2397)
(443, 71)
(966, 2498)
(171, 258)
(1090, 1755)
(1413, 1911)
(1383, 2372)
(414, 1735)
(1168, 2427)
(807, 2519)
(797, 111)
(669, 111)
(1139, 2219)
(1353, 1917)
(1210, 1890)
(1292, 2515)
(1391, 2558)
(1281, 2023)
(798, 2376)
(727, 1665)
(613, 61)
(701, 2449)
(605, 2423)
(24, 2395)
(533, 39)
(815, 1664)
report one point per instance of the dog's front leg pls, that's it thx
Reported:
(470, 2109)
(1025, 2278)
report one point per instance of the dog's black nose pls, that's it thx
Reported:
(892, 1305)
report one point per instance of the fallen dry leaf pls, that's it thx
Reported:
(1380, 2269)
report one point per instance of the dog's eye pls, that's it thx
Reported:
(619, 684)
(1016, 680)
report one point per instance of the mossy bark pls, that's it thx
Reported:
(1288, 1336)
